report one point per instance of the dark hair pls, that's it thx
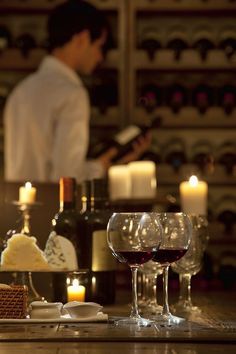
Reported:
(73, 17)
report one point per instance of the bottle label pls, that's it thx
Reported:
(128, 134)
(102, 259)
(60, 253)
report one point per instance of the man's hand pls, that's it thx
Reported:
(139, 147)
(106, 158)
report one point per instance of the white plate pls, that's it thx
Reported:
(101, 317)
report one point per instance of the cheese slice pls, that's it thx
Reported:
(23, 254)
(60, 253)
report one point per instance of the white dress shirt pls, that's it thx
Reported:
(46, 122)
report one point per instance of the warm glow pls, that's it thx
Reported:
(75, 292)
(193, 181)
(28, 185)
(75, 282)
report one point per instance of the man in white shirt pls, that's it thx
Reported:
(47, 115)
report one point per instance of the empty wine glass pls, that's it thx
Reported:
(133, 239)
(177, 230)
(190, 264)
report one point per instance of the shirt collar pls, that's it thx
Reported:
(52, 63)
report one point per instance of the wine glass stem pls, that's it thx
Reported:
(134, 309)
(185, 288)
(166, 310)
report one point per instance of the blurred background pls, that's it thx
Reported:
(172, 61)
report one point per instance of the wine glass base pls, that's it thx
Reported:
(129, 321)
(167, 320)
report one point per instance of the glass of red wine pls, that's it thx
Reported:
(177, 231)
(134, 238)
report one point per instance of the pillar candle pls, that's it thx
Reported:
(193, 196)
(143, 179)
(119, 182)
(75, 292)
(27, 193)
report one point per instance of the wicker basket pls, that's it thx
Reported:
(13, 302)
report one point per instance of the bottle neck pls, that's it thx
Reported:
(67, 193)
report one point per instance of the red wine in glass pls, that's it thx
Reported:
(134, 257)
(168, 255)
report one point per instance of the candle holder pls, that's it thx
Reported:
(24, 277)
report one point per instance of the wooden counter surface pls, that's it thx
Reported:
(214, 331)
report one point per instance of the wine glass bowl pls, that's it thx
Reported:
(134, 238)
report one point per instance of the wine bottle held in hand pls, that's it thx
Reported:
(123, 141)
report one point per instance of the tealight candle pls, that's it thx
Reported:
(75, 292)
(27, 193)
(143, 179)
(193, 196)
(119, 182)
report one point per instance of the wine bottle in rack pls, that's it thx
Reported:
(203, 41)
(226, 156)
(150, 42)
(124, 139)
(5, 38)
(227, 98)
(225, 211)
(96, 255)
(177, 97)
(203, 97)
(64, 225)
(151, 97)
(177, 41)
(202, 155)
(25, 43)
(175, 154)
(227, 42)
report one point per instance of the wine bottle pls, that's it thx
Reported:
(226, 156)
(202, 97)
(177, 97)
(64, 224)
(203, 42)
(202, 155)
(177, 42)
(227, 98)
(25, 43)
(150, 42)
(124, 139)
(226, 212)
(227, 42)
(95, 254)
(5, 38)
(151, 97)
(175, 153)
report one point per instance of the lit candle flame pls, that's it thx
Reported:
(193, 181)
(28, 185)
(75, 282)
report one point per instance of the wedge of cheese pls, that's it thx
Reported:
(60, 253)
(23, 254)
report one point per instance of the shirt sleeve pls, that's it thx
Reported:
(71, 136)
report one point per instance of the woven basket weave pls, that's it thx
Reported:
(13, 302)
